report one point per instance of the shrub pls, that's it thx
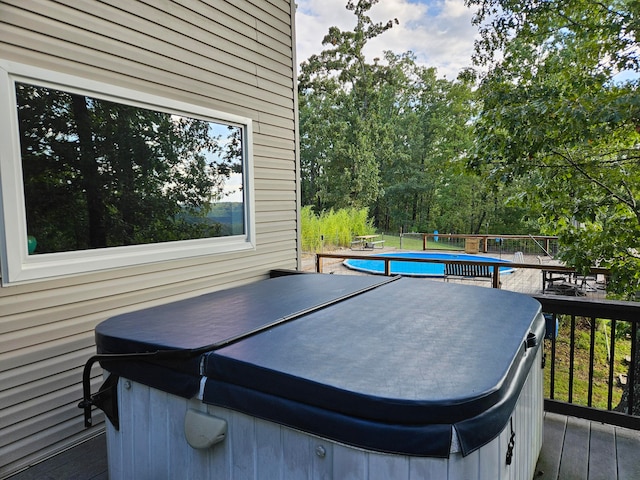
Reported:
(337, 227)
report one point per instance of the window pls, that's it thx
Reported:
(94, 176)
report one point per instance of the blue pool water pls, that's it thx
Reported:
(417, 269)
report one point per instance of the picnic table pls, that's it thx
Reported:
(363, 242)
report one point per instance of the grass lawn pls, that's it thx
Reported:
(581, 362)
(414, 242)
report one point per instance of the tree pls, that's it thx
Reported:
(555, 110)
(558, 115)
(338, 91)
(387, 135)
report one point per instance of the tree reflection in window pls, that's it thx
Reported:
(102, 174)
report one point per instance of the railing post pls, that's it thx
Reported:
(318, 263)
(496, 276)
(387, 267)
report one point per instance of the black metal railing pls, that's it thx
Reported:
(579, 319)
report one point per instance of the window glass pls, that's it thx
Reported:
(94, 176)
(98, 174)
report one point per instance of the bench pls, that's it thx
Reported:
(372, 245)
(467, 271)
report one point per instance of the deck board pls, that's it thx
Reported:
(602, 452)
(628, 456)
(573, 449)
(549, 460)
(576, 449)
(574, 462)
(87, 461)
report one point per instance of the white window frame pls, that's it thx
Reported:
(20, 267)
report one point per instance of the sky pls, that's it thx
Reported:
(438, 32)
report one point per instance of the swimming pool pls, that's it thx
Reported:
(417, 269)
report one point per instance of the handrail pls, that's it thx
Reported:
(587, 307)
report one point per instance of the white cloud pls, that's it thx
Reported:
(438, 32)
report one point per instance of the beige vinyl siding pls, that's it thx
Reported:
(236, 57)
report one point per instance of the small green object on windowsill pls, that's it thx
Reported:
(32, 243)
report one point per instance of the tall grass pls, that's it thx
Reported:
(333, 229)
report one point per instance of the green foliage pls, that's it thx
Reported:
(339, 92)
(557, 120)
(392, 136)
(333, 228)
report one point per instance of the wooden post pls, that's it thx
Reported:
(496, 276)
(318, 264)
(387, 267)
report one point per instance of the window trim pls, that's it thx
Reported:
(17, 266)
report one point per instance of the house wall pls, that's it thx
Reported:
(235, 57)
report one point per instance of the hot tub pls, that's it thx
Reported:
(327, 376)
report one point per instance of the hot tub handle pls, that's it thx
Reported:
(532, 340)
(512, 444)
(106, 399)
(202, 430)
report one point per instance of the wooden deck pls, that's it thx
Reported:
(573, 449)
(87, 461)
(578, 449)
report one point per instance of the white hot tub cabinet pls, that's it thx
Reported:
(326, 376)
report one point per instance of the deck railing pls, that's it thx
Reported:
(582, 320)
(494, 264)
(528, 244)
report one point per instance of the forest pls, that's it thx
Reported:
(541, 136)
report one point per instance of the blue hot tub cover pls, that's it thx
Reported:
(387, 365)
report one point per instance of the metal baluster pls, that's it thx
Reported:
(631, 380)
(591, 360)
(572, 356)
(612, 361)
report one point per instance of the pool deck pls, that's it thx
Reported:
(522, 280)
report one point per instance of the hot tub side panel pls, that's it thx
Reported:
(151, 444)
